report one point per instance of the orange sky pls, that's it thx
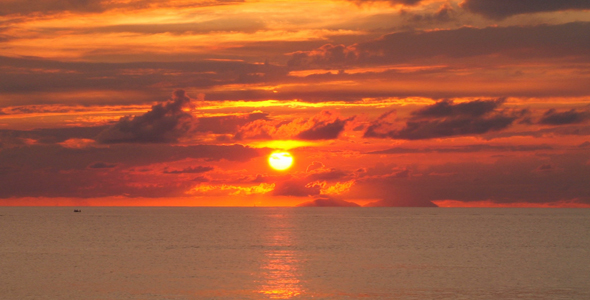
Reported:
(381, 103)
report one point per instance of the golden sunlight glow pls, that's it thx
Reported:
(280, 160)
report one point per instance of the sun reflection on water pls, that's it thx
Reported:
(280, 270)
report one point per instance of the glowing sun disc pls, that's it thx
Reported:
(280, 160)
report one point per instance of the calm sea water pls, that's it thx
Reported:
(294, 253)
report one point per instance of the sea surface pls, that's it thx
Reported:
(294, 253)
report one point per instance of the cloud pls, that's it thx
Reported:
(27, 75)
(323, 126)
(229, 124)
(417, 130)
(328, 175)
(444, 14)
(392, 2)
(521, 42)
(101, 165)
(465, 149)
(545, 168)
(506, 179)
(77, 143)
(498, 10)
(570, 203)
(323, 131)
(19, 7)
(325, 55)
(190, 170)
(42, 156)
(49, 6)
(232, 190)
(318, 172)
(447, 108)
(326, 201)
(164, 123)
(296, 188)
(201, 179)
(237, 24)
(552, 117)
(68, 136)
(50, 170)
(445, 119)
(402, 174)
(316, 165)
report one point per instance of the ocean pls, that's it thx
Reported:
(294, 253)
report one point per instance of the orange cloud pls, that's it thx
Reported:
(77, 143)
(323, 126)
(232, 190)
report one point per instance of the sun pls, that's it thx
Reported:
(280, 160)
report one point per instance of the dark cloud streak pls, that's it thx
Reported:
(164, 123)
(524, 42)
(45, 7)
(190, 170)
(446, 119)
(553, 117)
(497, 9)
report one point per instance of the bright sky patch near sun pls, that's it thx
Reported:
(383, 103)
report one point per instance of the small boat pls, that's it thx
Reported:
(77, 210)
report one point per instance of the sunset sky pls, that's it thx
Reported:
(380, 103)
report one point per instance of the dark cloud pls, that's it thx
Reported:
(190, 170)
(164, 123)
(523, 42)
(227, 124)
(465, 149)
(564, 130)
(30, 75)
(328, 175)
(402, 174)
(52, 135)
(248, 25)
(50, 6)
(50, 170)
(201, 179)
(318, 172)
(545, 168)
(323, 126)
(417, 130)
(507, 179)
(325, 55)
(18, 7)
(392, 2)
(260, 179)
(297, 188)
(50, 156)
(325, 201)
(323, 131)
(495, 9)
(553, 117)
(446, 119)
(444, 14)
(89, 184)
(316, 165)
(101, 165)
(447, 108)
